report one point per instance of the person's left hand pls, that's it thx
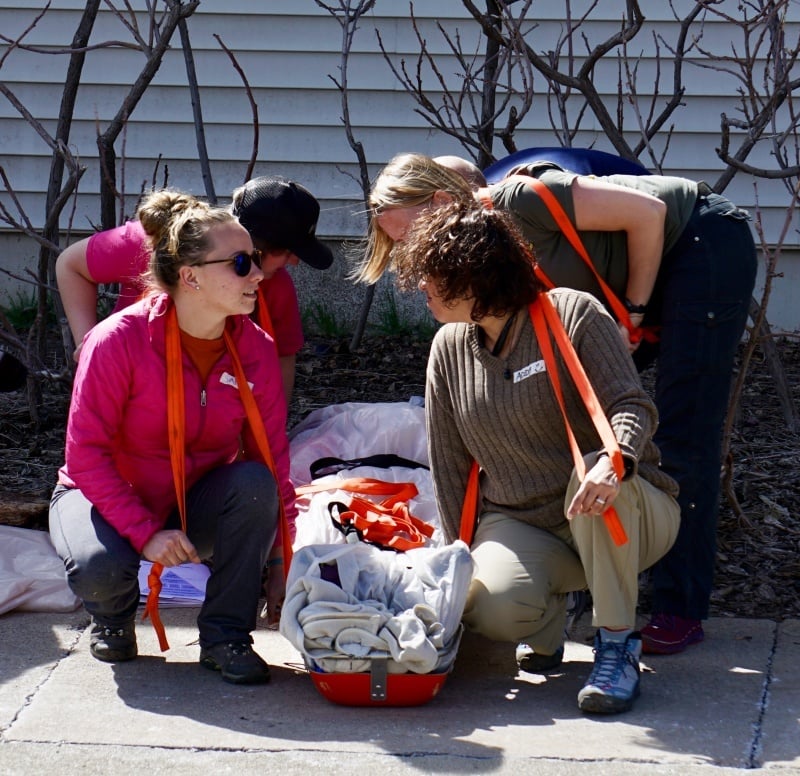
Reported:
(597, 491)
(275, 589)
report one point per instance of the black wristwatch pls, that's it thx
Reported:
(636, 309)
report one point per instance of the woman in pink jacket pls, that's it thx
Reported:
(116, 501)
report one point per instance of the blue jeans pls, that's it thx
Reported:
(231, 513)
(701, 301)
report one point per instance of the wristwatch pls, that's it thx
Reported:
(636, 309)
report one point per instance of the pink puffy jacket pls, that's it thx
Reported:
(117, 450)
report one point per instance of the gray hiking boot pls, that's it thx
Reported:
(613, 684)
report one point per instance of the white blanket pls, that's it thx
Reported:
(347, 603)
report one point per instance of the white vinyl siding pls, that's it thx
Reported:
(288, 50)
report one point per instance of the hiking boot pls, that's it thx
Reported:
(614, 682)
(667, 634)
(537, 663)
(113, 644)
(236, 661)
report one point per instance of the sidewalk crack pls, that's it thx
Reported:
(756, 745)
(66, 651)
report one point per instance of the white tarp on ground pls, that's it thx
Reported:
(355, 430)
(32, 576)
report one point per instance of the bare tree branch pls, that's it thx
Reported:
(348, 14)
(197, 111)
(176, 11)
(253, 109)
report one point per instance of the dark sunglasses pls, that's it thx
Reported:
(242, 262)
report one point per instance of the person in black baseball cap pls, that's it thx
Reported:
(281, 216)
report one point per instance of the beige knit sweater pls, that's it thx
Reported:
(504, 414)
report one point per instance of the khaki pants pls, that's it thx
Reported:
(523, 573)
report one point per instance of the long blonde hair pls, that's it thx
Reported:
(407, 180)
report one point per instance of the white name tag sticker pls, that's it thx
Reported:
(229, 379)
(532, 369)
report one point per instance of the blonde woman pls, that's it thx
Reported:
(682, 260)
(161, 369)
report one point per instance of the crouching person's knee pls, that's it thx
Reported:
(499, 617)
(101, 576)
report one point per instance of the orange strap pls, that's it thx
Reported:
(392, 527)
(543, 316)
(469, 509)
(264, 320)
(395, 491)
(636, 333)
(387, 523)
(256, 424)
(176, 424)
(176, 430)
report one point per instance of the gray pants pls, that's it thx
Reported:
(232, 515)
(523, 573)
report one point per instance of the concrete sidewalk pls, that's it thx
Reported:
(729, 704)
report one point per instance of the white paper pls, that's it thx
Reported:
(183, 585)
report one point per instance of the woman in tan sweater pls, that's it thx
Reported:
(489, 399)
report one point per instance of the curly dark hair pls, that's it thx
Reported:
(470, 252)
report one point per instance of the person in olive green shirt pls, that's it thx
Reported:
(682, 259)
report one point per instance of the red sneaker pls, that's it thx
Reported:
(667, 634)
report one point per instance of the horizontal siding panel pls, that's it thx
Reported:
(288, 48)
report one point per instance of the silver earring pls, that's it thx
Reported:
(197, 286)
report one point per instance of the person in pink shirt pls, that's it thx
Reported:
(159, 416)
(280, 215)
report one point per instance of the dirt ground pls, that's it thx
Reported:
(758, 567)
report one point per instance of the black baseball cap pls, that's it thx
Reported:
(283, 214)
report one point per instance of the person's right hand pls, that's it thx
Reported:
(636, 320)
(170, 548)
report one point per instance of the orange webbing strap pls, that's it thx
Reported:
(176, 425)
(256, 424)
(486, 200)
(176, 430)
(387, 522)
(387, 526)
(264, 320)
(469, 509)
(636, 333)
(395, 491)
(543, 314)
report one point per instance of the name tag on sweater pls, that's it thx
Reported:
(527, 371)
(229, 379)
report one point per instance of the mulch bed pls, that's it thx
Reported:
(758, 567)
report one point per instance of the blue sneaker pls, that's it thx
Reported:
(614, 682)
